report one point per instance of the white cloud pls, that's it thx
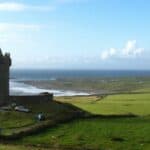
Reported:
(15, 26)
(17, 7)
(12, 6)
(16, 34)
(108, 53)
(131, 50)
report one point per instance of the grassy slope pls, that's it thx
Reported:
(138, 104)
(13, 122)
(19, 147)
(102, 133)
(105, 134)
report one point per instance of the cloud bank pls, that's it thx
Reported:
(18, 7)
(14, 26)
(13, 6)
(131, 50)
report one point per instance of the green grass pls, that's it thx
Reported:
(102, 134)
(138, 104)
(12, 119)
(20, 147)
(13, 122)
(91, 134)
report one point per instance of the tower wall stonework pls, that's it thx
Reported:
(5, 63)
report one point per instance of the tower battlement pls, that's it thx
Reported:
(5, 63)
(5, 59)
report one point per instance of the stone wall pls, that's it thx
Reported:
(31, 99)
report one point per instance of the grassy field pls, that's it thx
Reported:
(112, 132)
(20, 147)
(138, 104)
(98, 134)
(14, 122)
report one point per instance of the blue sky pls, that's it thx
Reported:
(76, 34)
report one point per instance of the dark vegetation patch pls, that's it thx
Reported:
(127, 104)
(117, 139)
(99, 98)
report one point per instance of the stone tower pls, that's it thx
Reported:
(5, 63)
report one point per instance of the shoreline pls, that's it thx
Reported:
(80, 86)
(23, 88)
(61, 85)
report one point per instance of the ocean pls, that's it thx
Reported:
(29, 74)
(17, 87)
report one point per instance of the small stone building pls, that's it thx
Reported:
(5, 63)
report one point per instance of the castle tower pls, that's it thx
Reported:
(5, 63)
